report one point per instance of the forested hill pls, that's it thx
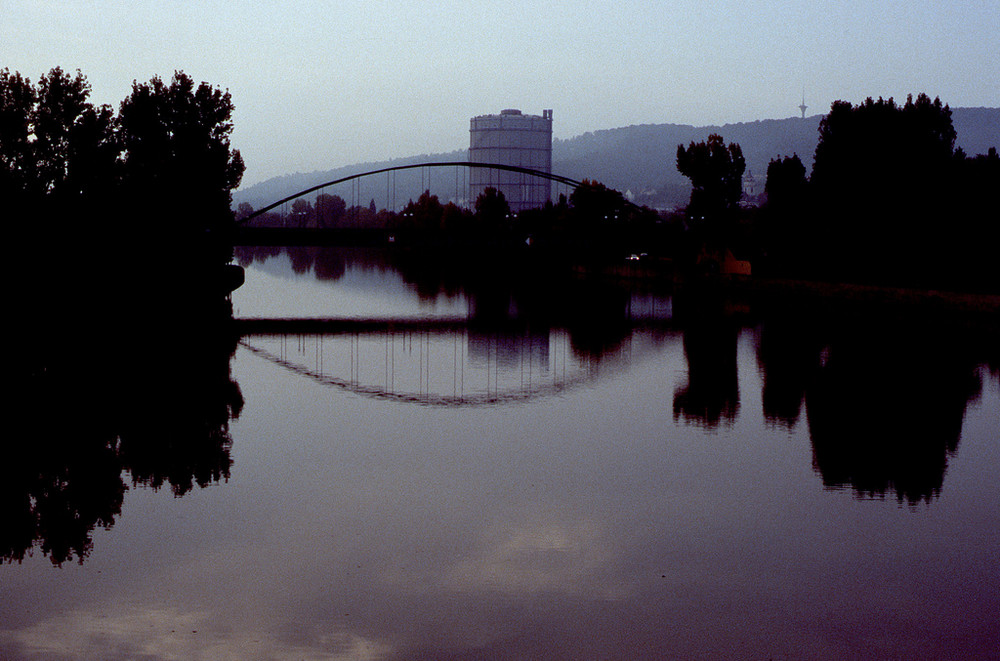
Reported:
(639, 159)
(642, 159)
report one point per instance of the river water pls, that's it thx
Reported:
(580, 470)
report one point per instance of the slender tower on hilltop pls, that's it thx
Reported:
(803, 106)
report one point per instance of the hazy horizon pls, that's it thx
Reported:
(318, 87)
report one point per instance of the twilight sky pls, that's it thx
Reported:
(319, 85)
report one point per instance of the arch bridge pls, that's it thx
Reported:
(559, 179)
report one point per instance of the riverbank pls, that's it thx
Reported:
(661, 272)
(988, 304)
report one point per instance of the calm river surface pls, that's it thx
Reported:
(581, 471)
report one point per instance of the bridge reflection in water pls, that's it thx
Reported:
(443, 362)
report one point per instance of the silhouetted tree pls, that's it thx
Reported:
(968, 253)
(786, 181)
(785, 215)
(17, 166)
(126, 191)
(593, 202)
(424, 214)
(455, 219)
(361, 216)
(151, 180)
(58, 173)
(716, 174)
(880, 183)
(176, 150)
(243, 209)
(56, 148)
(176, 141)
(74, 143)
(330, 210)
(302, 214)
(492, 209)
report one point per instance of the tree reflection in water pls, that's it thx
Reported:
(884, 391)
(789, 351)
(710, 330)
(90, 405)
(885, 396)
(886, 410)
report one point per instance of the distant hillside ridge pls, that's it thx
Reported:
(640, 160)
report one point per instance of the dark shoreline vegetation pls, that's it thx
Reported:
(98, 197)
(890, 203)
(606, 264)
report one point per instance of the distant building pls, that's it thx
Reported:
(512, 138)
(752, 186)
